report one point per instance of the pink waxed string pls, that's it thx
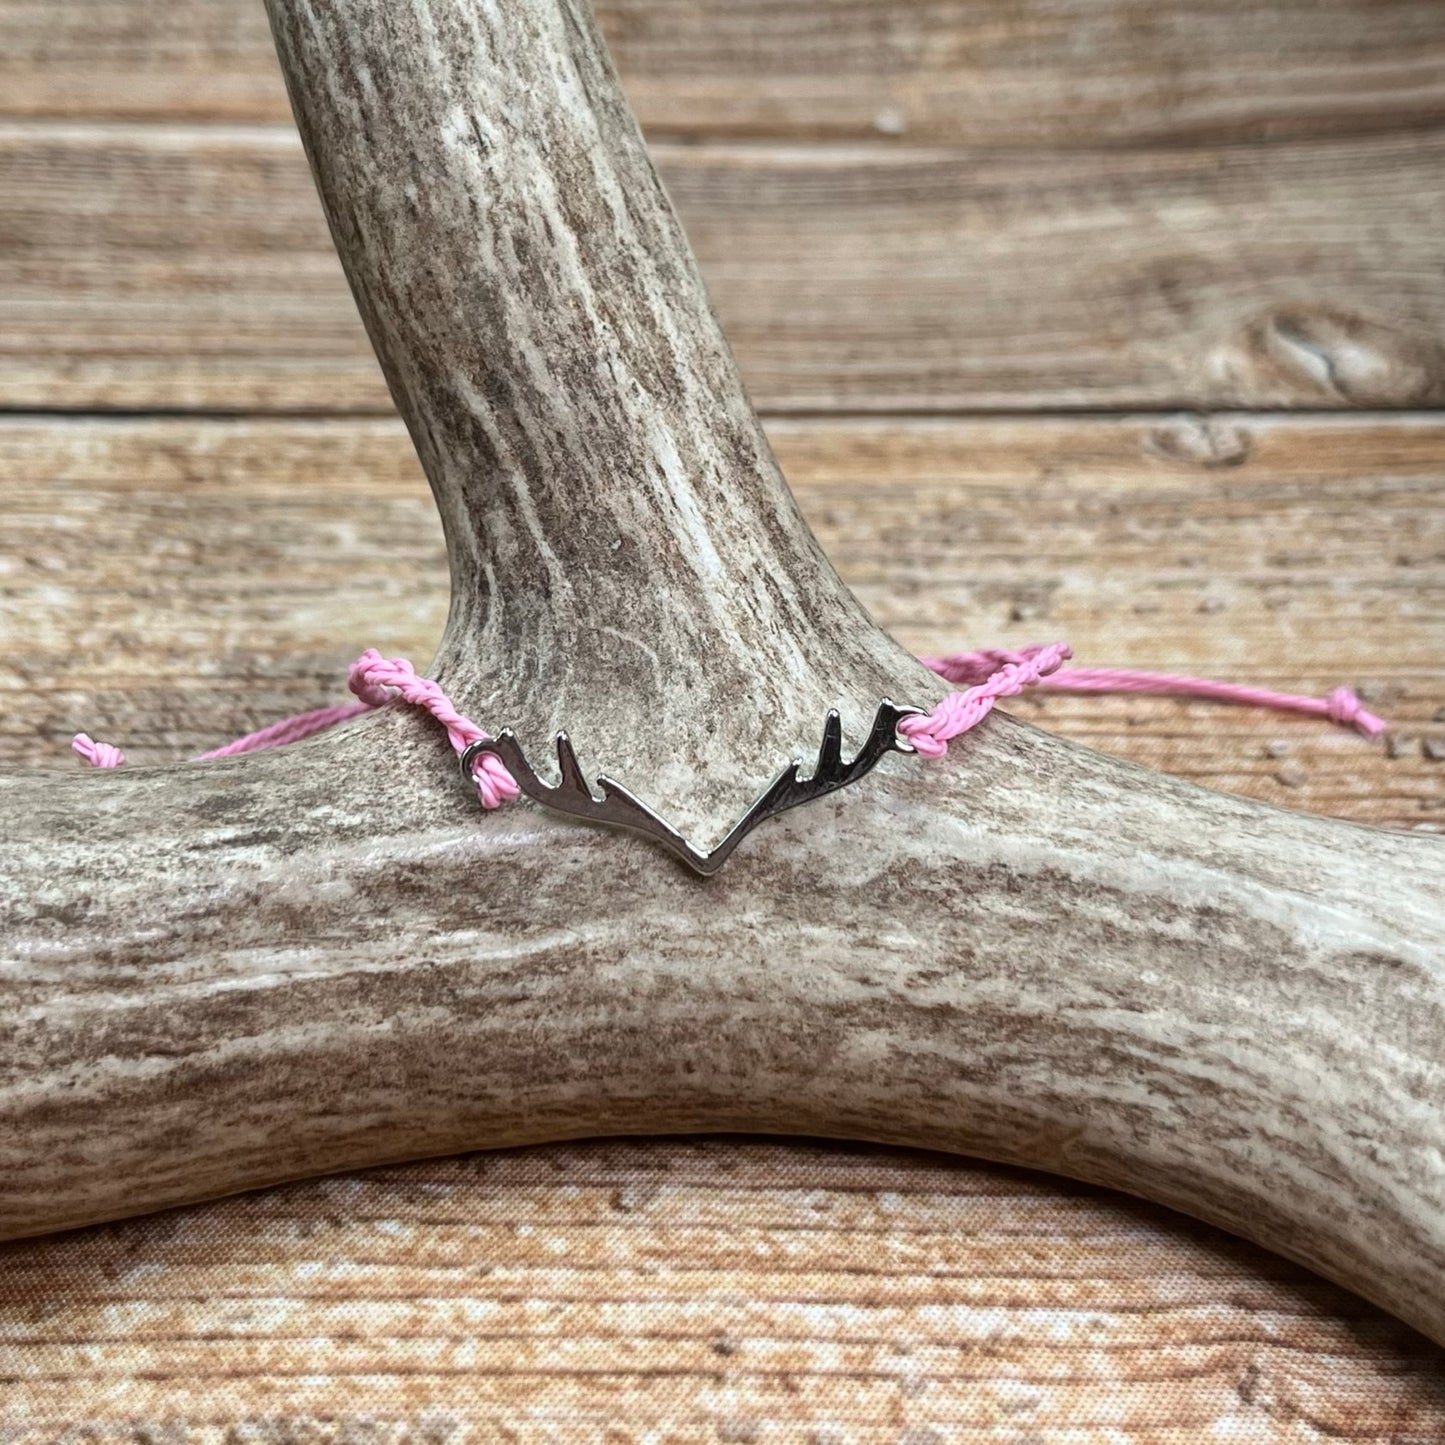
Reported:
(1341, 706)
(289, 730)
(376, 681)
(986, 675)
(960, 711)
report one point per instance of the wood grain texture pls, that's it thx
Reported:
(166, 267)
(991, 72)
(127, 1333)
(692, 1291)
(168, 584)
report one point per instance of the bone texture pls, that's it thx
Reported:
(219, 976)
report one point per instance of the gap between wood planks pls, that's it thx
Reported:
(922, 416)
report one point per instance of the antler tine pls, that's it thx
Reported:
(884, 736)
(620, 807)
(830, 756)
(571, 770)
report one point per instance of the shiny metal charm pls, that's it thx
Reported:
(619, 808)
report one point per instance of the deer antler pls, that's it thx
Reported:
(220, 975)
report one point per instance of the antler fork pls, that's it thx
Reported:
(222, 975)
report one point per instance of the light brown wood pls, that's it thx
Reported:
(169, 584)
(1269, 1396)
(692, 1291)
(995, 72)
(167, 267)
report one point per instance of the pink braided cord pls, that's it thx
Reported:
(987, 676)
(376, 681)
(983, 668)
(960, 711)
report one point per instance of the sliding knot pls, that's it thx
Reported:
(378, 680)
(373, 678)
(98, 755)
(959, 711)
(1344, 707)
(970, 668)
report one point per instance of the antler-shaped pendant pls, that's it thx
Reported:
(619, 808)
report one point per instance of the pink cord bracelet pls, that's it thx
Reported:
(986, 676)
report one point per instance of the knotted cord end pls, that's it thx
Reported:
(1345, 708)
(98, 755)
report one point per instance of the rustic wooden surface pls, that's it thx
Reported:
(692, 1291)
(1271, 237)
(992, 72)
(167, 266)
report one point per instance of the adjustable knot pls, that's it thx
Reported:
(1343, 707)
(98, 755)
(375, 679)
(378, 680)
(973, 668)
(1005, 674)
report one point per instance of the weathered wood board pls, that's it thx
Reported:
(989, 72)
(162, 267)
(691, 1291)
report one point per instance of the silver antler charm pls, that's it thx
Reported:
(618, 808)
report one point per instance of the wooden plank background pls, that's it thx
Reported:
(167, 266)
(951, 72)
(1106, 319)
